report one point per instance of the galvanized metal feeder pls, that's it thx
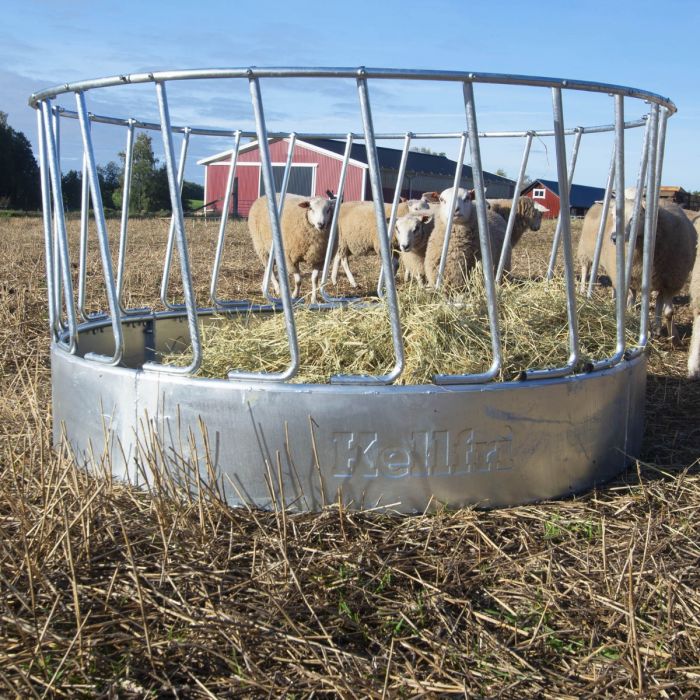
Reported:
(463, 439)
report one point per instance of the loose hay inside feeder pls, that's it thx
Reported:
(440, 335)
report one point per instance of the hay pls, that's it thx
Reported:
(440, 336)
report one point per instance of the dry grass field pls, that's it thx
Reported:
(114, 592)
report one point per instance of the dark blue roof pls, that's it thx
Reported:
(390, 158)
(581, 196)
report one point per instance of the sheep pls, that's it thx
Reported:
(412, 233)
(464, 249)
(527, 215)
(674, 253)
(357, 234)
(694, 352)
(305, 224)
(587, 241)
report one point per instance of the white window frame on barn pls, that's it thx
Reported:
(281, 167)
(539, 193)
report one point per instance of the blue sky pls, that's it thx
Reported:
(642, 44)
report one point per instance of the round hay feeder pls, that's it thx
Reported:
(362, 439)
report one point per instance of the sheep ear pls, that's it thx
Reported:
(305, 204)
(402, 200)
(431, 196)
(426, 219)
(471, 194)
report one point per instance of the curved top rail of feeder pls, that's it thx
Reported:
(359, 72)
(357, 136)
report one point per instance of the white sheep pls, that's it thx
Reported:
(464, 249)
(412, 232)
(587, 241)
(357, 234)
(674, 253)
(694, 352)
(305, 227)
(527, 216)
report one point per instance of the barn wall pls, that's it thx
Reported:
(327, 174)
(551, 201)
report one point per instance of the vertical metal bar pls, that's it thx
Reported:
(649, 229)
(620, 243)
(333, 233)
(222, 225)
(280, 208)
(58, 296)
(514, 206)
(636, 210)
(124, 222)
(48, 225)
(385, 248)
(601, 226)
(61, 235)
(558, 114)
(103, 240)
(84, 222)
(165, 281)
(564, 213)
(486, 257)
(451, 213)
(174, 185)
(395, 207)
(277, 245)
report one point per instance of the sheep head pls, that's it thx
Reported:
(319, 211)
(462, 204)
(412, 231)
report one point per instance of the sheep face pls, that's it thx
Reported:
(411, 231)
(463, 205)
(536, 220)
(319, 211)
(418, 205)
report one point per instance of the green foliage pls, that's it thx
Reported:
(19, 172)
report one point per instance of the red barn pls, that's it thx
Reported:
(545, 194)
(314, 170)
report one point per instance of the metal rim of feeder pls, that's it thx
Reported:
(75, 352)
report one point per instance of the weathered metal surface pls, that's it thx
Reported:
(402, 447)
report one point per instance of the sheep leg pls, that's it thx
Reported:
(667, 309)
(314, 285)
(275, 284)
(694, 353)
(631, 298)
(297, 281)
(584, 276)
(334, 271)
(348, 274)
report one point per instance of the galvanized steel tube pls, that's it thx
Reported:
(385, 248)
(277, 247)
(558, 114)
(82, 256)
(102, 238)
(216, 302)
(174, 185)
(486, 258)
(562, 212)
(514, 207)
(601, 226)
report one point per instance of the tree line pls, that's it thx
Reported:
(20, 186)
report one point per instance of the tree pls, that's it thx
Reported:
(19, 172)
(429, 151)
(501, 173)
(143, 170)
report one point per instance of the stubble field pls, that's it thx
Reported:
(111, 591)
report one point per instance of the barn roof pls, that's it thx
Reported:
(581, 196)
(389, 158)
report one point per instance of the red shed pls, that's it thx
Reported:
(545, 194)
(314, 170)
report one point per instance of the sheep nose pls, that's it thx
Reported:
(404, 247)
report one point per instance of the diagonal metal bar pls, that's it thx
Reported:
(174, 185)
(385, 248)
(601, 226)
(102, 238)
(165, 281)
(564, 213)
(226, 206)
(486, 256)
(277, 247)
(514, 207)
(570, 366)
